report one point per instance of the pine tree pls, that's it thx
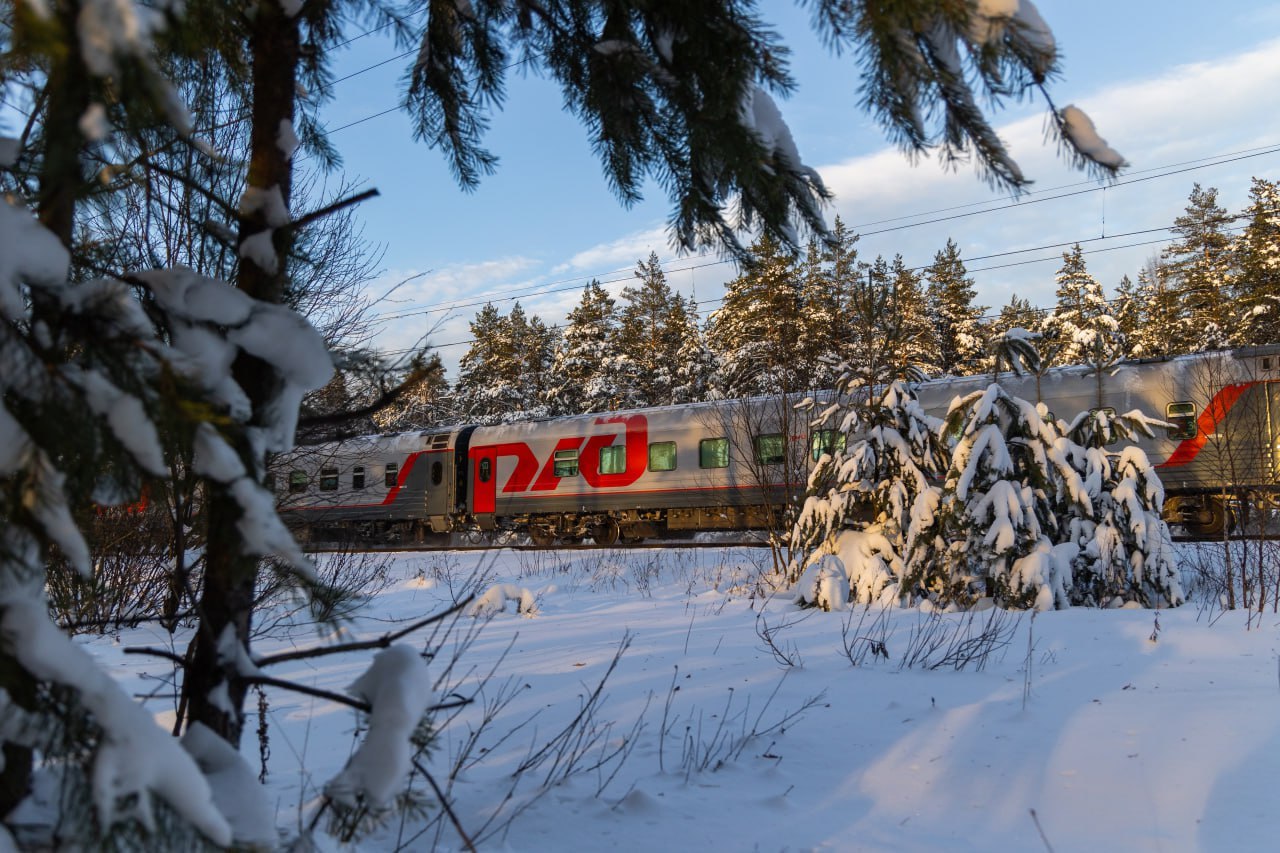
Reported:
(1081, 329)
(957, 321)
(1257, 257)
(425, 401)
(586, 364)
(696, 366)
(1017, 314)
(506, 372)
(651, 328)
(915, 339)
(830, 274)
(755, 333)
(1198, 264)
(1130, 314)
(991, 529)
(1162, 333)
(873, 459)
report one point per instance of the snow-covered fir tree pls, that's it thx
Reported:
(426, 400)
(506, 371)
(1198, 264)
(915, 339)
(1124, 551)
(650, 331)
(1257, 261)
(1129, 314)
(1018, 313)
(829, 274)
(957, 321)
(1081, 328)
(755, 334)
(1162, 331)
(696, 367)
(991, 529)
(584, 376)
(874, 454)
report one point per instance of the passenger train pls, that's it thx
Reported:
(675, 470)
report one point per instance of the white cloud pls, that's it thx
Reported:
(618, 254)
(1190, 112)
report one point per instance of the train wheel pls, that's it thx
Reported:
(541, 537)
(606, 533)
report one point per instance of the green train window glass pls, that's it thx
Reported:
(713, 453)
(613, 459)
(328, 479)
(826, 441)
(771, 449)
(662, 456)
(297, 482)
(566, 463)
(1182, 420)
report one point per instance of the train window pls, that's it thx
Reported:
(328, 479)
(713, 453)
(1182, 420)
(613, 459)
(437, 472)
(269, 482)
(357, 477)
(771, 449)
(662, 456)
(826, 441)
(486, 470)
(391, 474)
(566, 463)
(297, 482)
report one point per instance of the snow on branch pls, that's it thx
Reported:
(397, 687)
(136, 760)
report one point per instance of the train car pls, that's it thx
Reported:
(635, 474)
(729, 465)
(403, 488)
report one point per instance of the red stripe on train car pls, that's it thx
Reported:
(1207, 424)
(391, 495)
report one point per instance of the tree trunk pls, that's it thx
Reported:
(226, 603)
(60, 185)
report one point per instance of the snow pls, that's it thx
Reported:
(1123, 743)
(1079, 129)
(286, 140)
(28, 253)
(94, 124)
(398, 689)
(496, 598)
(237, 793)
(136, 759)
(260, 249)
(760, 114)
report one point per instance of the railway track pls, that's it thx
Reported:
(649, 545)
(396, 547)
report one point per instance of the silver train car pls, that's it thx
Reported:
(728, 465)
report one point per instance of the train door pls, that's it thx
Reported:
(439, 484)
(484, 482)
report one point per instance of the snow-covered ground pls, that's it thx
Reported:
(1087, 730)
